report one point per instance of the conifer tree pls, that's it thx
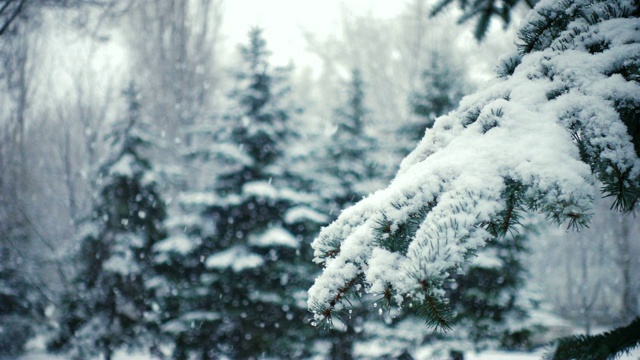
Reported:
(561, 118)
(108, 304)
(443, 85)
(245, 255)
(486, 296)
(351, 174)
(348, 159)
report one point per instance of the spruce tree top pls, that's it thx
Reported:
(126, 141)
(561, 118)
(257, 125)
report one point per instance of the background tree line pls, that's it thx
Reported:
(152, 184)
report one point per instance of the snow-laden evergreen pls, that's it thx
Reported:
(237, 262)
(488, 299)
(560, 118)
(350, 173)
(108, 304)
(347, 151)
(443, 83)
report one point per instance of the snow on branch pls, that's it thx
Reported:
(561, 117)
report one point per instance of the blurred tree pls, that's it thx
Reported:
(15, 11)
(600, 269)
(175, 53)
(9, 11)
(484, 11)
(443, 85)
(243, 250)
(353, 174)
(26, 246)
(629, 266)
(107, 305)
(391, 54)
(22, 294)
(349, 148)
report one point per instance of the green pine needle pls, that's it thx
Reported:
(436, 313)
(607, 346)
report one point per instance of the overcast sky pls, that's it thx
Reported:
(283, 20)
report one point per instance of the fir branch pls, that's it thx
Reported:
(328, 313)
(386, 299)
(9, 20)
(607, 346)
(397, 237)
(511, 216)
(483, 22)
(442, 4)
(508, 66)
(617, 184)
(533, 33)
(333, 249)
(434, 311)
(332, 253)
(608, 10)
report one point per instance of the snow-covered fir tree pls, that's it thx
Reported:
(349, 175)
(490, 303)
(443, 82)
(486, 296)
(561, 120)
(108, 305)
(347, 159)
(241, 251)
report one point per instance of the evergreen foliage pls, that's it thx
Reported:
(443, 85)
(348, 160)
(484, 11)
(245, 256)
(488, 297)
(538, 140)
(486, 306)
(108, 304)
(606, 346)
(484, 299)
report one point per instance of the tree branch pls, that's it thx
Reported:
(13, 16)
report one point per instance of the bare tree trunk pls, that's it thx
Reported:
(569, 275)
(589, 287)
(175, 53)
(629, 301)
(69, 176)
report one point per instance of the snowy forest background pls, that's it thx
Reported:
(161, 186)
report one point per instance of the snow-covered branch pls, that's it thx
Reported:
(538, 139)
